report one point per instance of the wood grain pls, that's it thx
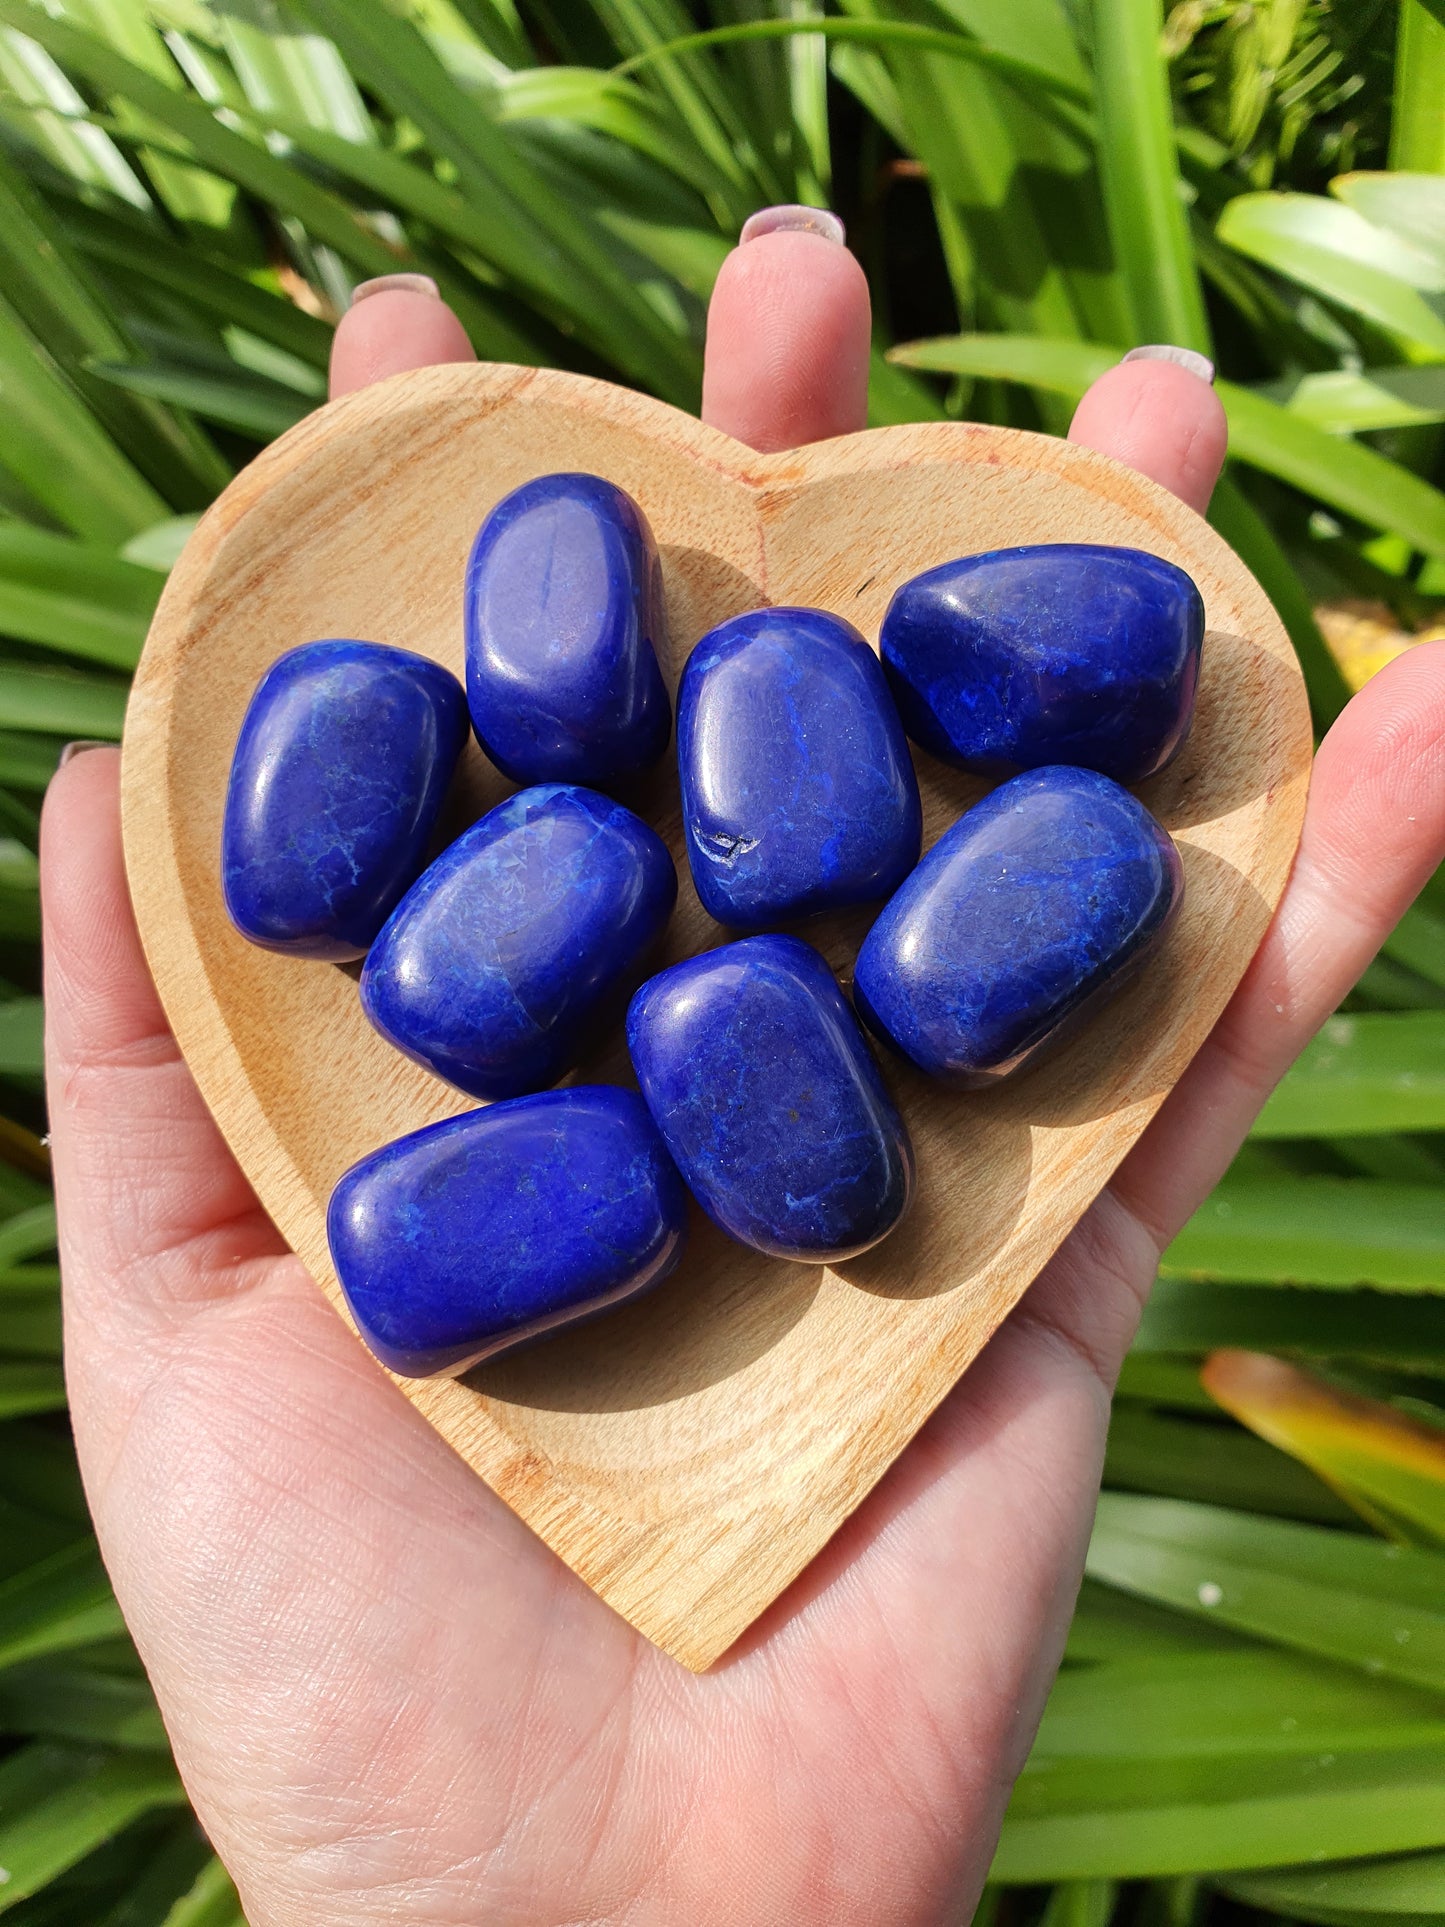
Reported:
(688, 1455)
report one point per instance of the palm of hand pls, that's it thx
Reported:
(388, 1700)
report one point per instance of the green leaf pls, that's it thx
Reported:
(88, 1800)
(881, 33)
(1180, 1458)
(1339, 1595)
(61, 1601)
(56, 296)
(1388, 1463)
(1231, 1703)
(68, 1701)
(1140, 177)
(1417, 133)
(1255, 543)
(1346, 402)
(210, 289)
(1348, 476)
(1131, 1819)
(1374, 1071)
(1337, 253)
(1418, 942)
(28, 1386)
(28, 762)
(212, 1901)
(73, 597)
(246, 162)
(159, 548)
(537, 235)
(1315, 1231)
(1184, 1316)
(60, 702)
(32, 1231)
(1411, 206)
(57, 448)
(22, 1045)
(1411, 1885)
(1110, 1625)
(259, 408)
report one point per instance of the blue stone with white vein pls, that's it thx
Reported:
(482, 1233)
(493, 969)
(769, 1100)
(564, 615)
(1034, 909)
(798, 792)
(1063, 652)
(337, 780)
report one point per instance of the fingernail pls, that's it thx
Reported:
(72, 750)
(793, 219)
(1186, 358)
(396, 284)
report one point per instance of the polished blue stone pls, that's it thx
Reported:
(769, 1100)
(481, 1233)
(798, 792)
(338, 777)
(495, 965)
(1021, 920)
(564, 614)
(1061, 653)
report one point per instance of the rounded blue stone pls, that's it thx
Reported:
(1021, 920)
(1060, 653)
(496, 962)
(564, 610)
(481, 1233)
(798, 792)
(337, 780)
(769, 1100)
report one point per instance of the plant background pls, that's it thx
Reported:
(1251, 1718)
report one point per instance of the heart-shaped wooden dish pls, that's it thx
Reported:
(689, 1455)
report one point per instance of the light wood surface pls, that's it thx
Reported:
(689, 1455)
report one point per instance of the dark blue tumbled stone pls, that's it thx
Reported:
(1020, 921)
(564, 613)
(798, 792)
(339, 774)
(769, 1100)
(483, 1232)
(1061, 653)
(497, 960)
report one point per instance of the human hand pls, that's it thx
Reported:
(390, 1702)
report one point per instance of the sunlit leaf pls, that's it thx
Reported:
(1347, 475)
(67, 1805)
(1340, 1595)
(1334, 251)
(1389, 1466)
(1316, 1231)
(1373, 1071)
(61, 1601)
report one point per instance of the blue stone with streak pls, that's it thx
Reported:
(338, 777)
(1060, 653)
(1039, 904)
(798, 792)
(564, 616)
(769, 1100)
(495, 965)
(484, 1232)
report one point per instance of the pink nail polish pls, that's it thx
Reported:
(396, 284)
(1186, 358)
(793, 219)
